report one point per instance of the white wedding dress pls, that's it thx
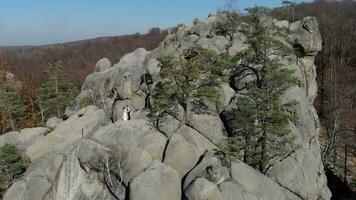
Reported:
(126, 113)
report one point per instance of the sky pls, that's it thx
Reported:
(38, 22)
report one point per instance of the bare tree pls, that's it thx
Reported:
(111, 174)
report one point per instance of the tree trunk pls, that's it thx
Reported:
(57, 100)
(345, 165)
(12, 124)
(246, 149)
(262, 165)
(188, 107)
(42, 114)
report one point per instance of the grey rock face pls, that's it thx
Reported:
(202, 189)
(153, 67)
(210, 126)
(53, 122)
(163, 180)
(217, 43)
(212, 167)
(79, 125)
(181, 155)
(164, 158)
(168, 124)
(306, 36)
(120, 81)
(238, 44)
(102, 65)
(25, 138)
(262, 186)
(225, 96)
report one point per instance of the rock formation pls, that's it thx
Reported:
(166, 159)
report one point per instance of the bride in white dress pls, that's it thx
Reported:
(126, 113)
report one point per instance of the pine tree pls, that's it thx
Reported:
(12, 108)
(261, 120)
(13, 164)
(186, 80)
(57, 92)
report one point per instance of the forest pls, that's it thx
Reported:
(28, 65)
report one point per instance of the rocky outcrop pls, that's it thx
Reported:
(95, 155)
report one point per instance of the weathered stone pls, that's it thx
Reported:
(25, 138)
(153, 67)
(217, 43)
(253, 181)
(135, 162)
(168, 124)
(79, 125)
(238, 44)
(282, 24)
(200, 141)
(202, 189)
(154, 143)
(53, 122)
(157, 182)
(102, 65)
(202, 28)
(231, 191)
(306, 36)
(210, 126)
(226, 93)
(213, 167)
(180, 155)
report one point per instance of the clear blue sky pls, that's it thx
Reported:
(36, 22)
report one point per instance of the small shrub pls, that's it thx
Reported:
(13, 164)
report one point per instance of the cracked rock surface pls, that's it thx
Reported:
(168, 160)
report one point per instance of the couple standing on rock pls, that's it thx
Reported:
(126, 113)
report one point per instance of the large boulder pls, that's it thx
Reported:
(232, 191)
(168, 124)
(70, 172)
(157, 182)
(53, 122)
(305, 36)
(226, 93)
(238, 44)
(154, 144)
(253, 181)
(213, 167)
(25, 138)
(134, 162)
(217, 43)
(121, 81)
(197, 139)
(102, 65)
(181, 155)
(202, 189)
(79, 125)
(130, 69)
(209, 126)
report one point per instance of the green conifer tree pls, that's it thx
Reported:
(13, 164)
(12, 108)
(193, 77)
(57, 92)
(261, 120)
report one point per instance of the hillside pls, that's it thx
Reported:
(164, 154)
(79, 57)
